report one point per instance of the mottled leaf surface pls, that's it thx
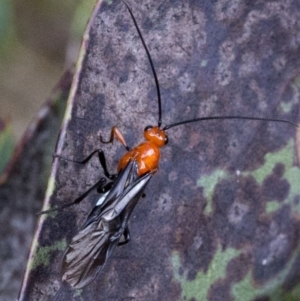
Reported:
(22, 188)
(220, 220)
(6, 144)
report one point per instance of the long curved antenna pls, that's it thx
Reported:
(151, 64)
(228, 117)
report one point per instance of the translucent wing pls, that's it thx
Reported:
(97, 239)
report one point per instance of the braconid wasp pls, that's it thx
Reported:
(107, 225)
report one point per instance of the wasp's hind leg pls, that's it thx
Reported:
(100, 186)
(127, 237)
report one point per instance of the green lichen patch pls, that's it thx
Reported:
(198, 288)
(246, 289)
(43, 254)
(6, 145)
(208, 182)
(291, 175)
(284, 156)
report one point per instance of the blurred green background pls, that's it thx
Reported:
(39, 40)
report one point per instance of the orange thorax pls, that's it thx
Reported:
(146, 155)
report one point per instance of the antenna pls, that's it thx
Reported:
(196, 119)
(228, 117)
(151, 64)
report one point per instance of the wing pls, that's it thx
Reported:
(97, 239)
(86, 254)
(126, 177)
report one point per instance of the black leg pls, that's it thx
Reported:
(100, 184)
(105, 188)
(102, 161)
(127, 237)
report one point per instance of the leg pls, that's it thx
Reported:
(105, 188)
(102, 161)
(99, 185)
(115, 133)
(127, 237)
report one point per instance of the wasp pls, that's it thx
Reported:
(106, 226)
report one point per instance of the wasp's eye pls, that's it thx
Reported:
(148, 127)
(166, 140)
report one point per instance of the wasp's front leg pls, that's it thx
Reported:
(115, 133)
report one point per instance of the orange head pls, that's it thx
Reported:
(156, 135)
